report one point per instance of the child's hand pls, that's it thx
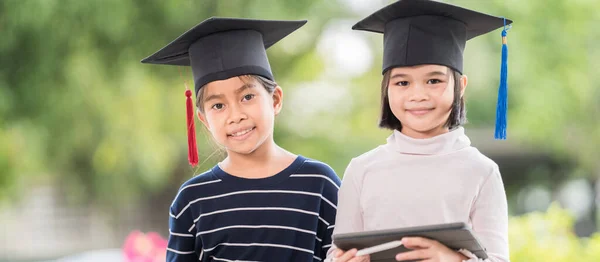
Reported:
(428, 250)
(349, 256)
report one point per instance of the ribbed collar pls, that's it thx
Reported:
(443, 144)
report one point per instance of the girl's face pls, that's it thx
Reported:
(421, 98)
(240, 113)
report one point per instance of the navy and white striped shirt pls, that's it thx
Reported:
(286, 217)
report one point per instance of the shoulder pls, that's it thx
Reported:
(482, 164)
(317, 169)
(372, 158)
(360, 165)
(482, 161)
(204, 177)
(192, 188)
(310, 165)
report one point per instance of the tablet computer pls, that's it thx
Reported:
(453, 235)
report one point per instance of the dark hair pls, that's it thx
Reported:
(268, 84)
(458, 115)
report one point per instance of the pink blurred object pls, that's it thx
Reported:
(140, 247)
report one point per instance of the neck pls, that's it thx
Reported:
(261, 158)
(443, 143)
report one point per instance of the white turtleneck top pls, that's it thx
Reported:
(414, 182)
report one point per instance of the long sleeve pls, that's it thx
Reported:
(328, 213)
(349, 216)
(182, 241)
(489, 217)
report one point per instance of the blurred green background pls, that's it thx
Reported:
(93, 143)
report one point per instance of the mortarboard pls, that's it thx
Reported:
(221, 48)
(417, 32)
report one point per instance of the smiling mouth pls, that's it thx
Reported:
(420, 111)
(242, 132)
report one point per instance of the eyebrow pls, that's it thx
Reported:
(430, 74)
(212, 97)
(237, 91)
(244, 87)
(436, 73)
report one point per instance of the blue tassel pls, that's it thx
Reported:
(502, 105)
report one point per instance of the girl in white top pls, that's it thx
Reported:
(427, 172)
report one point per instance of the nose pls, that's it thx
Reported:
(418, 93)
(236, 114)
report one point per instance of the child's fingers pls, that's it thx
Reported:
(417, 242)
(361, 259)
(413, 255)
(346, 256)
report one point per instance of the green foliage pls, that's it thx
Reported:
(78, 109)
(549, 236)
(553, 75)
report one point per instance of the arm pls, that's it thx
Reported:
(349, 216)
(182, 241)
(489, 216)
(328, 213)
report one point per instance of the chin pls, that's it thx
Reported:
(426, 129)
(242, 150)
(422, 128)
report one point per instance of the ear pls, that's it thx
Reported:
(277, 99)
(464, 80)
(202, 118)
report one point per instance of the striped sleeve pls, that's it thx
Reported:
(328, 212)
(182, 239)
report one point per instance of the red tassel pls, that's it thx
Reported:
(191, 129)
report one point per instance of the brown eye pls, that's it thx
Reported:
(248, 97)
(218, 106)
(402, 83)
(434, 81)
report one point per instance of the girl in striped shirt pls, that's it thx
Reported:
(262, 202)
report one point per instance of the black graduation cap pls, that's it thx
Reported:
(417, 32)
(219, 48)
